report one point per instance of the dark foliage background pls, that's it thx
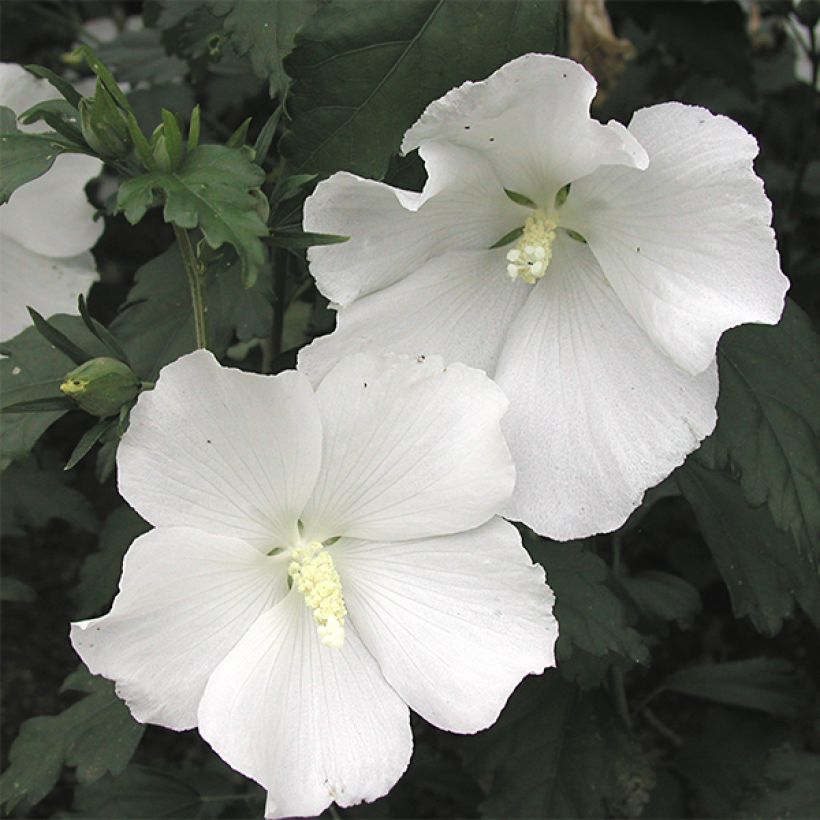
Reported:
(689, 662)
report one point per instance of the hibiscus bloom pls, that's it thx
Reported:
(589, 268)
(47, 227)
(320, 562)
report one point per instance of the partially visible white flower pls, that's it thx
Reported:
(47, 227)
(600, 320)
(321, 561)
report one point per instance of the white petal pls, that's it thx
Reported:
(411, 449)
(454, 622)
(686, 244)
(20, 90)
(458, 305)
(224, 451)
(393, 232)
(186, 598)
(597, 413)
(531, 120)
(312, 724)
(48, 285)
(51, 215)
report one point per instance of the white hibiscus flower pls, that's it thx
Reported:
(600, 321)
(47, 226)
(321, 561)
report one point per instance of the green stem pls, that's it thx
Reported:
(196, 284)
(662, 729)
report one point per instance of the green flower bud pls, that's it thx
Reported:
(159, 152)
(101, 386)
(103, 125)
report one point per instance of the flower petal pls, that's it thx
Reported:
(224, 451)
(20, 90)
(48, 285)
(186, 598)
(597, 413)
(51, 215)
(458, 305)
(531, 120)
(393, 232)
(686, 244)
(411, 449)
(312, 724)
(454, 622)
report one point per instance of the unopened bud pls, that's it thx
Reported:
(103, 125)
(101, 386)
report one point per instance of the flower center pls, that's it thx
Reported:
(529, 259)
(314, 575)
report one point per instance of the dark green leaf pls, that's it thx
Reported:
(762, 567)
(50, 404)
(71, 95)
(590, 616)
(156, 323)
(790, 788)
(296, 239)
(96, 735)
(265, 137)
(32, 496)
(88, 440)
(551, 753)
(34, 369)
(101, 332)
(264, 30)
(211, 190)
(58, 339)
(769, 421)
(240, 135)
(662, 595)
(58, 114)
(100, 572)
(23, 157)
(11, 589)
(364, 71)
(104, 74)
(139, 56)
(764, 684)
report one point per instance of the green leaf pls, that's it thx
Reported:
(11, 589)
(139, 56)
(511, 236)
(364, 71)
(58, 339)
(769, 422)
(143, 791)
(211, 190)
(520, 199)
(765, 684)
(590, 616)
(664, 596)
(790, 787)
(32, 496)
(156, 324)
(100, 572)
(88, 440)
(551, 753)
(296, 239)
(762, 568)
(34, 369)
(101, 331)
(96, 735)
(264, 30)
(104, 74)
(23, 157)
(69, 93)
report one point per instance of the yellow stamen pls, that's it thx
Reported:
(314, 575)
(529, 259)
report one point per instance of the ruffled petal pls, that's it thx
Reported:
(411, 449)
(224, 451)
(48, 285)
(454, 622)
(687, 244)
(51, 215)
(186, 598)
(531, 120)
(394, 232)
(458, 306)
(597, 413)
(312, 724)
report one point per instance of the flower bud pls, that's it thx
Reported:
(103, 125)
(101, 386)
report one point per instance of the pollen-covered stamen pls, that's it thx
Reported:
(529, 259)
(314, 575)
